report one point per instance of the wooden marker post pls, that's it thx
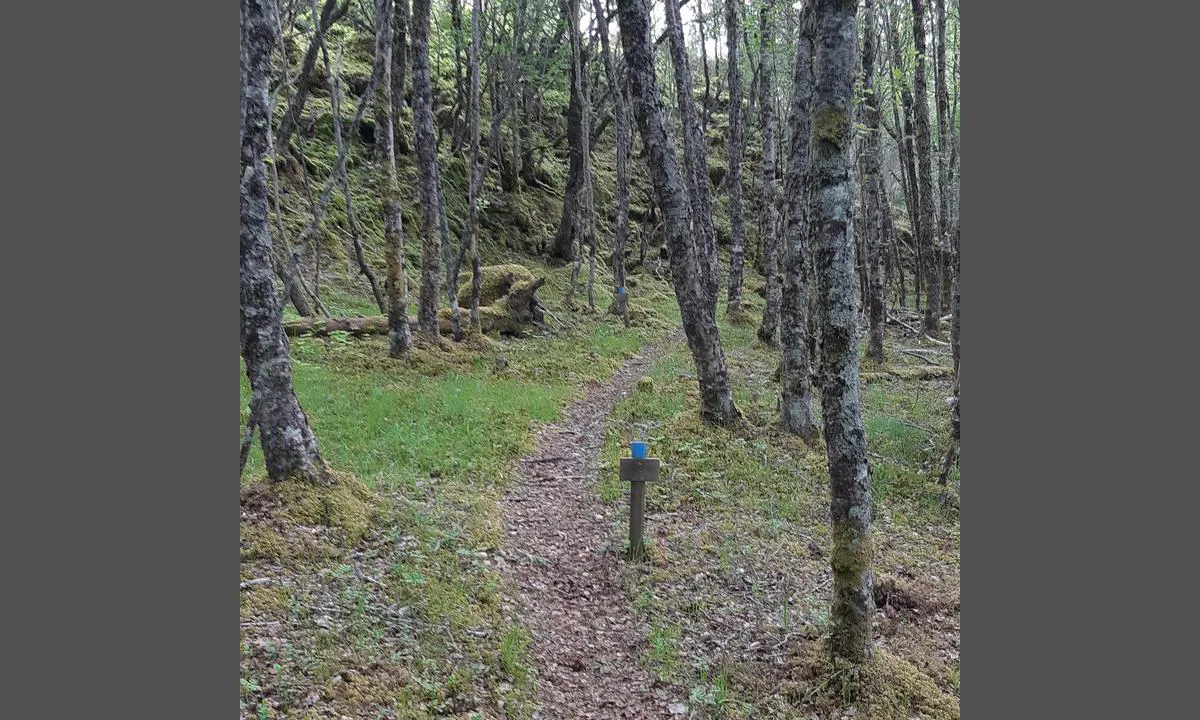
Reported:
(637, 471)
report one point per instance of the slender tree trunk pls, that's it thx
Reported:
(477, 171)
(833, 230)
(426, 147)
(331, 12)
(933, 275)
(399, 333)
(707, 109)
(460, 83)
(400, 23)
(876, 200)
(328, 16)
(957, 260)
(624, 150)
(451, 261)
(952, 450)
(333, 76)
(897, 260)
(699, 323)
(288, 443)
(795, 373)
(695, 160)
(906, 147)
(510, 178)
(335, 101)
(583, 209)
(768, 215)
(734, 148)
(297, 292)
(577, 142)
(942, 241)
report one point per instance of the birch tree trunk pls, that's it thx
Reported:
(624, 150)
(289, 446)
(733, 149)
(707, 107)
(942, 99)
(906, 147)
(795, 373)
(577, 143)
(427, 175)
(331, 12)
(699, 322)
(933, 271)
(833, 240)
(768, 214)
(400, 23)
(876, 202)
(396, 284)
(695, 159)
(476, 170)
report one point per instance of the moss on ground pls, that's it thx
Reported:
(883, 688)
(740, 528)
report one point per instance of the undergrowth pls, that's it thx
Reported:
(396, 611)
(736, 587)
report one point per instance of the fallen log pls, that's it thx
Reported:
(923, 372)
(357, 326)
(513, 314)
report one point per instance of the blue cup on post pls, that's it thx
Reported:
(639, 449)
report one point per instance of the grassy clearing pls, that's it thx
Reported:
(399, 613)
(735, 593)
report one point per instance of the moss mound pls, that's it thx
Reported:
(347, 505)
(741, 315)
(297, 520)
(495, 282)
(883, 688)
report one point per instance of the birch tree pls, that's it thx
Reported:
(833, 240)
(288, 443)
(687, 277)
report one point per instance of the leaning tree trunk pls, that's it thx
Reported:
(427, 174)
(933, 271)
(876, 202)
(733, 150)
(695, 159)
(796, 385)
(833, 230)
(335, 102)
(699, 323)
(769, 215)
(289, 446)
(331, 12)
(396, 284)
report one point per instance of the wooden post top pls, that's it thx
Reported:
(639, 470)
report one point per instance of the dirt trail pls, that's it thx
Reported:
(560, 557)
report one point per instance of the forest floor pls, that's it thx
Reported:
(454, 580)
